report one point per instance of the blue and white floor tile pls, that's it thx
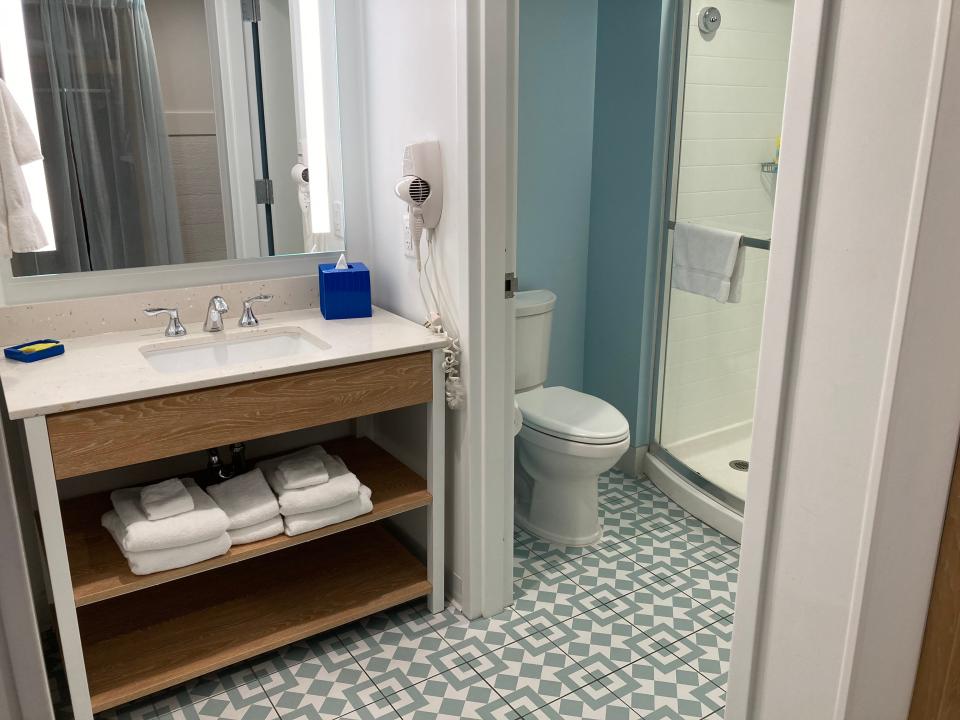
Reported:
(636, 627)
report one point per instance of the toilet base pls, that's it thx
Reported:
(525, 523)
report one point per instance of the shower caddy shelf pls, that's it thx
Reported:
(126, 636)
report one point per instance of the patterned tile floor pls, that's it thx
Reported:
(637, 627)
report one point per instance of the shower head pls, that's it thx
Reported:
(708, 20)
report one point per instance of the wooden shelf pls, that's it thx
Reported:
(138, 644)
(100, 572)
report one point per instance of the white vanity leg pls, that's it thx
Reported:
(55, 547)
(436, 414)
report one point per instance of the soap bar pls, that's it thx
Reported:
(34, 350)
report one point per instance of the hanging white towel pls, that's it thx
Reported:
(246, 499)
(342, 486)
(360, 504)
(298, 470)
(20, 229)
(260, 531)
(707, 261)
(151, 561)
(165, 499)
(205, 522)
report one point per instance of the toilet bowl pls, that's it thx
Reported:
(566, 439)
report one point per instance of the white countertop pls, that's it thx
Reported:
(109, 368)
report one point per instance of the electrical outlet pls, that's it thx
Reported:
(408, 250)
(338, 220)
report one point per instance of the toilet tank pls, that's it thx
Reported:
(534, 311)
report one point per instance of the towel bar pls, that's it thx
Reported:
(745, 241)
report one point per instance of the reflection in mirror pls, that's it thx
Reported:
(177, 131)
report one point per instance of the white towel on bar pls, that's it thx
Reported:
(20, 228)
(342, 486)
(260, 531)
(165, 499)
(303, 468)
(707, 261)
(151, 561)
(360, 504)
(246, 499)
(205, 522)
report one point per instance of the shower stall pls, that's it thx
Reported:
(729, 72)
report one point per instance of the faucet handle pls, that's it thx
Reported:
(248, 319)
(174, 327)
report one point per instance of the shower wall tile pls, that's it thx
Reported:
(733, 107)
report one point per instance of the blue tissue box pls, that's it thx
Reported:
(345, 293)
(15, 353)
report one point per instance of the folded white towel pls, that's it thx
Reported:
(360, 504)
(205, 522)
(303, 468)
(342, 486)
(260, 531)
(165, 499)
(151, 561)
(707, 261)
(246, 499)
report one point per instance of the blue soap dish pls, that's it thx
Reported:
(16, 352)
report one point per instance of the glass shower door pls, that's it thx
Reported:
(726, 141)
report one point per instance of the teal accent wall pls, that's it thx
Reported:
(628, 170)
(557, 70)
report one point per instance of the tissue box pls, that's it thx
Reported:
(345, 293)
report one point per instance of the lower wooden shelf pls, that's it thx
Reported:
(150, 640)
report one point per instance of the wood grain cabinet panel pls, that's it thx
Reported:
(112, 436)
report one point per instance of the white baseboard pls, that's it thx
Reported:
(693, 500)
(632, 461)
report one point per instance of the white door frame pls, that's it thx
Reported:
(488, 102)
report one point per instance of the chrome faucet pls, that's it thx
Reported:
(174, 327)
(215, 311)
(248, 319)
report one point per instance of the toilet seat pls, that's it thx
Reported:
(572, 416)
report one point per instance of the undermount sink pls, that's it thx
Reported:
(232, 349)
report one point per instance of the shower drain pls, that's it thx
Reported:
(741, 465)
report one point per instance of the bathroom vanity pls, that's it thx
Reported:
(119, 399)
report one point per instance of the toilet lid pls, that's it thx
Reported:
(572, 415)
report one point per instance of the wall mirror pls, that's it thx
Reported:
(177, 131)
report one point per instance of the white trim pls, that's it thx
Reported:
(58, 566)
(798, 127)
(632, 461)
(436, 483)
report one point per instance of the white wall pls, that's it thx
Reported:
(870, 403)
(412, 82)
(732, 114)
(179, 32)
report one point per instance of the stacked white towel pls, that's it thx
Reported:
(338, 497)
(165, 499)
(156, 545)
(250, 505)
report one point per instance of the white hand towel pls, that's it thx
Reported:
(151, 561)
(305, 522)
(260, 531)
(301, 469)
(339, 489)
(707, 261)
(246, 499)
(165, 499)
(205, 522)
(20, 229)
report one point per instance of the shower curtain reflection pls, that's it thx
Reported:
(100, 112)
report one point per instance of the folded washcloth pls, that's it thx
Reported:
(342, 486)
(165, 499)
(151, 561)
(360, 504)
(205, 522)
(246, 499)
(303, 468)
(260, 531)
(707, 261)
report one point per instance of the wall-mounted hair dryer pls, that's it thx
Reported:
(421, 186)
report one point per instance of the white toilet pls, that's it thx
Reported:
(566, 439)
